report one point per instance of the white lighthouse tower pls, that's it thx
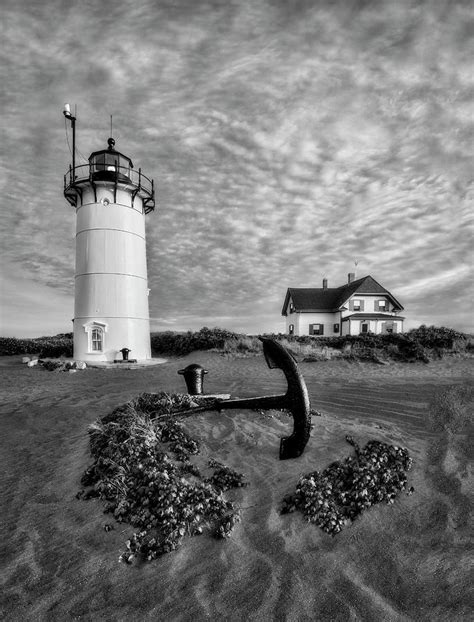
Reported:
(111, 198)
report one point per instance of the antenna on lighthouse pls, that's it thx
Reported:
(111, 133)
(67, 114)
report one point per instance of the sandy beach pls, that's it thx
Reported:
(407, 561)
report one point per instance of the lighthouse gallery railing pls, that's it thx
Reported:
(91, 173)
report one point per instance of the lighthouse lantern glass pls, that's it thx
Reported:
(110, 162)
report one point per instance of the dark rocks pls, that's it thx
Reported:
(336, 496)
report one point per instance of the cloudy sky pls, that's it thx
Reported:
(287, 139)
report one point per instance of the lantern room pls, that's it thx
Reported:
(110, 165)
(113, 169)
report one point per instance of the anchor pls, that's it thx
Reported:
(296, 399)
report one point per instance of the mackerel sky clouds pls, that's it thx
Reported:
(287, 140)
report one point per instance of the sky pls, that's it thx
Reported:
(289, 141)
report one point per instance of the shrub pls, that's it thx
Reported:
(183, 343)
(411, 350)
(11, 345)
(438, 337)
(60, 345)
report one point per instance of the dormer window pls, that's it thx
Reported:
(292, 307)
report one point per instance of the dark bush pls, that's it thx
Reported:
(183, 343)
(46, 347)
(411, 350)
(438, 337)
(54, 347)
(11, 345)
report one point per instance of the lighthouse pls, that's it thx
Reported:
(111, 199)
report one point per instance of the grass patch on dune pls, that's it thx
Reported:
(143, 472)
(421, 344)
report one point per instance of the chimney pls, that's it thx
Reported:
(351, 277)
(325, 283)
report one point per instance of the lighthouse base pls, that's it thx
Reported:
(103, 339)
(127, 364)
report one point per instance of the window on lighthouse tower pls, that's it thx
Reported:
(95, 336)
(97, 339)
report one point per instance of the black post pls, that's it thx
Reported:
(73, 125)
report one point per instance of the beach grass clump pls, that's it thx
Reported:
(242, 345)
(142, 471)
(335, 497)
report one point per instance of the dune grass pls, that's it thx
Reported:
(420, 344)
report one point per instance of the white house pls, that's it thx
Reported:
(361, 306)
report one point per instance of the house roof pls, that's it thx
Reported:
(330, 299)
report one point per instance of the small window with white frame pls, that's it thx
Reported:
(382, 305)
(95, 336)
(97, 339)
(357, 305)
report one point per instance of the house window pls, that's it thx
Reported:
(316, 329)
(356, 305)
(336, 328)
(97, 339)
(292, 307)
(291, 329)
(381, 305)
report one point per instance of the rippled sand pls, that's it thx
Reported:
(409, 561)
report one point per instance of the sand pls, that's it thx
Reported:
(408, 561)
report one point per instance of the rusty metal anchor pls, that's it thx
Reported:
(296, 399)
